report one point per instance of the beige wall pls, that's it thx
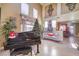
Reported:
(10, 10)
(13, 10)
(39, 8)
(77, 28)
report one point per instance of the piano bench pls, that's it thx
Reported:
(23, 51)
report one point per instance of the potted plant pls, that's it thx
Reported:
(7, 27)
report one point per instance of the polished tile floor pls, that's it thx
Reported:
(66, 48)
(50, 48)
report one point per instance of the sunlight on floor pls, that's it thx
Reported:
(73, 43)
(54, 52)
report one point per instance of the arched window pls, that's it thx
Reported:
(24, 9)
(54, 23)
(35, 13)
(46, 24)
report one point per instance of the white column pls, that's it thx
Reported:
(58, 9)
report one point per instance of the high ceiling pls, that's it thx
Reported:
(44, 4)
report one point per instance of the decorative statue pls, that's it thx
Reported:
(50, 10)
(50, 28)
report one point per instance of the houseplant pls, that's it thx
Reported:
(8, 26)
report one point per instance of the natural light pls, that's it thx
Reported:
(35, 13)
(54, 23)
(24, 9)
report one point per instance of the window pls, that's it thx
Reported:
(46, 24)
(28, 26)
(63, 28)
(54, 23)
(24, 9)
(35, 13)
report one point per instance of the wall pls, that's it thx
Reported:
(65, 8)
(39, 8)
(65, 15)
(11, 10)
(77, 28)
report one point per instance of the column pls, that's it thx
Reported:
(58, 9)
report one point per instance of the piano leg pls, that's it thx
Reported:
(10, 52)
(37, 48)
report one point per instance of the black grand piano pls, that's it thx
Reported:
(24, 39)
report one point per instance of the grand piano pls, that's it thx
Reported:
(24, 39)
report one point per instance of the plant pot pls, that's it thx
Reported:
(5, 45)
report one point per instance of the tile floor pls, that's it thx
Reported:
(51, 48)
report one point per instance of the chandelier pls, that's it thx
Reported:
(71, 6)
